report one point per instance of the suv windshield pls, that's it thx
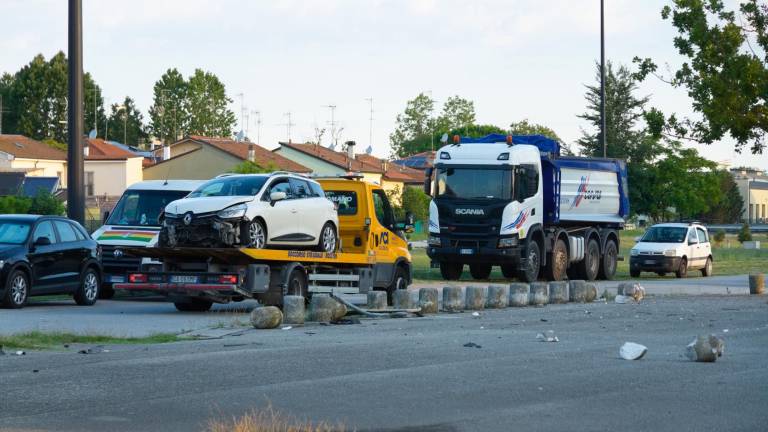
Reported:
(142, 207)
(13, 232)
(474, 183)
(231, 186)
(665, 235)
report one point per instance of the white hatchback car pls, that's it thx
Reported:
(253, 210)
(672, 248)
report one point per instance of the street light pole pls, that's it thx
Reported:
(602, 80)
(75, 186)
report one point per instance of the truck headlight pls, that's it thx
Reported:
(634, 252)
(670, 252)
(507, 242)
(434, 240)
(236, 211)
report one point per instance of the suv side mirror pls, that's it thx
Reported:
(277, 196)
(42, 241)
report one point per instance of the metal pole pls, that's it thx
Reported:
(125, 126)
(602, 80)
(75, 185)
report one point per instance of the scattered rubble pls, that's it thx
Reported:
(20, 353)
(472, 345)
(705, 349)
(266, 317)
(632, 351)
(549, 336)
(93, 350)
(632, 290)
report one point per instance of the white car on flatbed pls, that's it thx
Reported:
(672, 248)
(253, 210)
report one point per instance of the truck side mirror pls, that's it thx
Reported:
(428, 181)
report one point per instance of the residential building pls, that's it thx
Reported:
(109, 169)
(34, 158)
(753, 186)
(420, 161)
(201, 158)
(394, 177)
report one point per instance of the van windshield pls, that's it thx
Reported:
(142, 207)
(473, 183)
(664, 235)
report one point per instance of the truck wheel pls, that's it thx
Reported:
(682, 271)
(530, 272)
(509, 271)
(480, 271)
(193, 305)
(558, 262)
(608, 264)
(106, 292)
(451, 270)
(400, 282)
(707, 270)
(590, 265)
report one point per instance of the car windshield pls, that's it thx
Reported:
(665, 235)
(230, 186)
(13, 232)
(142, 207)
(474, 183)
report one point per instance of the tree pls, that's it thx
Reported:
(725, 72)
(527, 128)
(248, 167)
(413, 124)
(731, 206)
(126, 123)
(207, 106)
(168, 116)
(745, 234)
(416, 202)
(458, 113)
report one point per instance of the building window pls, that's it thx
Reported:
(89, 184)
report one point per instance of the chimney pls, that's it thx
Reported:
(86, 149)
(251, 153)
(166, 152)
(384, 165)
(350, 149)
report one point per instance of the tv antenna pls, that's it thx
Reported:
(288, 125)
(370, 123)
(332, 123)
(258, 125)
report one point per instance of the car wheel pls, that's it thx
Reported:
(634, 273)
(682, 271)
(608, 264)
(558, 262)
(480, 271)
(193, 305)
(88, 291)
(329, 239)
(451, 270)
(509, 271)
(257, 235)
(16, 290)
(530, 272)
(707, 270)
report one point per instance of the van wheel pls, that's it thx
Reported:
(193, 305)
(480, 271)
(682, 271)
(16, 290)
(608, 263)
(88, 291)
(451, 270)
(558, 262)
(509, 271)
(590, 265)
(707, 270)
(329, 239)
(530, 272)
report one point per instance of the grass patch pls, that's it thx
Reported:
(269, 420)
(37, 340)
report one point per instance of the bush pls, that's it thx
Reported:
(416, 202)
(44, 203)
(745, 234)
(720, 236)
(12, 204)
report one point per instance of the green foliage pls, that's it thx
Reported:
(126, 123)
(719, 236)
(12, 204)
(417, 202)
(248, 167)
(168, 114)
(525, 127)
(458, 113)
(413, 125)
(745, 234)
(730, 207)
(44, 203)
(724, 72)
(207, 104)
(55, 144)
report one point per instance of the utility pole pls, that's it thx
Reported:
(75, 186)
(333, 121)
(258, 125)
(370, 123)
(602, 80)
(95, 109)
(242, 111)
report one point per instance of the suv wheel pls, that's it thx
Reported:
(329, 239)
(256, 235)
(16, 290)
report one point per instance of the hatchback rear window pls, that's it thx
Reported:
(346, 201)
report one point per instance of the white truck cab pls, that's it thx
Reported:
(672, 248)
(134, 223)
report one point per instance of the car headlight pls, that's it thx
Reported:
(508, 242)
(670, 252)
(235, 211)
(434, 240)
(634, 252)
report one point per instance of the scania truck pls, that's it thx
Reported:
(517, 203)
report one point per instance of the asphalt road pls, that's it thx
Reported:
(417, 375)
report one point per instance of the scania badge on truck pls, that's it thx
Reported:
(515, 202)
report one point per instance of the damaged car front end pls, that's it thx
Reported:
(224, 228)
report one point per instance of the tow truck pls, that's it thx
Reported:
(373, 255)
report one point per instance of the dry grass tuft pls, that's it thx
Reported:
(270, 420)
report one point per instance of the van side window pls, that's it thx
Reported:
(300, 188)
(317, 191)
(66, 232)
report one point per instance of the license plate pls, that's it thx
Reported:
(467, 251)
(650, 262)
(116, 279)
(183, 279)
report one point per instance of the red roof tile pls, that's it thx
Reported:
(98, 149)
(263, 156)
(338, 159)
(26, 148)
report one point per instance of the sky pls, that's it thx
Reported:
(516, 59)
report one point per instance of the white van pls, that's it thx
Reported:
(134, 222)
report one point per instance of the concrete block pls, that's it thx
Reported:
(266, 317)
(519, 294)
(756, 283)
(539, 293)
(577, 291)
(498, 297)
(558, 292)
(453, 299)
(475, 297)
(377, 299)
(591, 293)
(322, 308)
(428, 300)
(401, 299)
(294, 309)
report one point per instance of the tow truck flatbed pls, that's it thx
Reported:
(249, 255)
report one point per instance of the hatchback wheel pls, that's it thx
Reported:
(16, 290)
(257, 235)
(88, 291)
(328, 239)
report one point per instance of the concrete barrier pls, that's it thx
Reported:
(475, 297)
(402, 299)
(266, 317)
(539, 293)
(322, 308)
(377, 300)
(756, 283)
(577, 291)
(453, 299)
(519, 294)
(625, 288)
(558, 292)
(294, 310)
(498, 297)
(428, 300)
(591, 293)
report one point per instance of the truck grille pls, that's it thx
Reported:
(113, 265)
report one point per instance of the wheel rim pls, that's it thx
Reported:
(256, 234)
(593, 260)
(610, 266)
(90, 287)
(19, 289)
(329, 239)
(400, 283)
(533, 261)
(296, 287)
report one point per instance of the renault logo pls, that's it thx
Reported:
(188, 218)
(118, 253)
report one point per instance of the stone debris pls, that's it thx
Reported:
(266, 317)
(93, 350)
(20, 353)
(453, 299)
(286, 328)
(632, 351)
(476, 314)
(632, 290)
(549, 336)
(472, 345)
(705, 349)
(620, 299)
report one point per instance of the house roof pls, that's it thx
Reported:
(419, 161)
(98, 149)
(393, 171)
(26, 148)
(338, 159)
